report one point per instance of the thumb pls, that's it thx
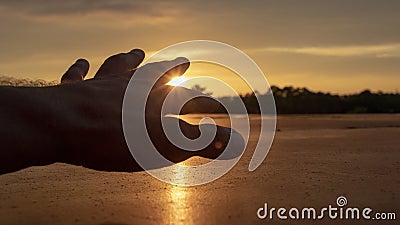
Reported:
(225, 137)
(213, 150)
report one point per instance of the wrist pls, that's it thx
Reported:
(28, 131)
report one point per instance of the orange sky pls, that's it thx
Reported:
(336, 46)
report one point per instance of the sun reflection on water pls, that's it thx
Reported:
(180, 209)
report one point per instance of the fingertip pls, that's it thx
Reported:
(138, 52)
(82, 61)
(83, 65)
(182, 64)
(76, 72)
(121, 63)
(237, 145)
(182, 60)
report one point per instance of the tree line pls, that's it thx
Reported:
(290, 100)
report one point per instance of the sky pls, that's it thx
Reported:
(342, 46)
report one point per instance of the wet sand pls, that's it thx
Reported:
(313, 160)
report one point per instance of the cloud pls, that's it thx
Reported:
(45, 7)
(77, 11)
(379, 51)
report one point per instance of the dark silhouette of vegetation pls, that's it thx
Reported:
(11, 81)
(290, 100)
(302, 100)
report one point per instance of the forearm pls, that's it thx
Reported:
(28, 128)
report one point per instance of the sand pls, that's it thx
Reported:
(313, 160)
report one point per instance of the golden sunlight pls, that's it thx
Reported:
(180, 209)
(177, 81)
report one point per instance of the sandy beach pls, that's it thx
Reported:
(314, 160)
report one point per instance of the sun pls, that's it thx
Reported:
(177, 81)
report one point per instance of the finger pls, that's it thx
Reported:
(219, 143)
(174, 68)
(120, 63)
(76, 72)
(217, 149)
(162, 71)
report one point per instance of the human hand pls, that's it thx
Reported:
(94, 136)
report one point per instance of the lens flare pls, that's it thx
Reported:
(178, 81)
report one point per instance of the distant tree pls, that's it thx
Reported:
(199, 88)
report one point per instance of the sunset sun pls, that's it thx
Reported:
(177, 81)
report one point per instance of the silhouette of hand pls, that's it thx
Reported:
(92, 135)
